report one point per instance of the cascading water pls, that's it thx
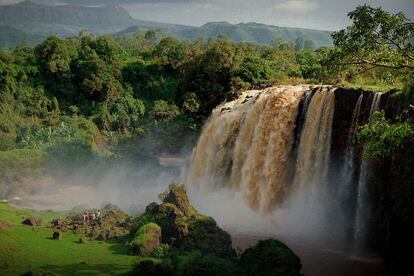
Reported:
(248, 144)
(315, 141)
(363, 209)
(349, 167)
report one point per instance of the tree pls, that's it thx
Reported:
(54, 59)
(376, 38)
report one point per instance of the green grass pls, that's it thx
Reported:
(24, 248)
(371, 87)
(18, 158)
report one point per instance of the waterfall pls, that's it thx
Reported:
(246, 145)
(272, 148)
(362, 209)
(315, 140)
(348, 169)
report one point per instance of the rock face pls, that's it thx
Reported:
(111, 224)
(146, 239)
(183, 227)
(270, 257)
(33, 221)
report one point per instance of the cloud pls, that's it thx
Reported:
(105, 2)
(297, 6)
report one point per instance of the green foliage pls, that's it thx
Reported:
(378, 45)
(126, 112)
(376, 37)
(381, 138)
(146, 239)
(19, 159)
(270, 257)
(163, 111)
(37, 137)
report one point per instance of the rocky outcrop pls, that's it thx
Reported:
(178, 197)
(33, 221)
(183, 227)
(113, 223)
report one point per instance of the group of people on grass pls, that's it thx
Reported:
(91, 215)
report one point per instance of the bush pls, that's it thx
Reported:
(270, 257)
(7, 142)
(381, 138)
(150, 267)
(163, 111)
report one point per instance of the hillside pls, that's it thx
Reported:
(257, 33)
(10, 37)
(65, 20)
(244, 32)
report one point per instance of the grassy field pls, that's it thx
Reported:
(25, 248)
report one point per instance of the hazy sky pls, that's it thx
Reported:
(317, 14)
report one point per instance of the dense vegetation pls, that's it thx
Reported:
(88, 92)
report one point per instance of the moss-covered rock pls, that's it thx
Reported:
(177, 195)
(172, 220)
(146, 239)
(113, 223)
(270, 257)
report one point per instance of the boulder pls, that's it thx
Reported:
(33, 221)
(146, 239)
(270, 257)
(57, 235)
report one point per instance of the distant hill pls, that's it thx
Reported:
(65, 20)
(41, 20)
(245, 32)
(254, 32)
(11, 37)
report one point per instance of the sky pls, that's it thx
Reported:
(313, 14)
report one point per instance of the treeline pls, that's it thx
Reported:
(105, 87)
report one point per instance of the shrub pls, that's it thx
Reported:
(270, 257)
(381, 138)
(163, 111)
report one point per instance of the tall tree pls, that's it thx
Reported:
(376, 38)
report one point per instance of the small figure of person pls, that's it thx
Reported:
(98, 214)
(84, 216)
